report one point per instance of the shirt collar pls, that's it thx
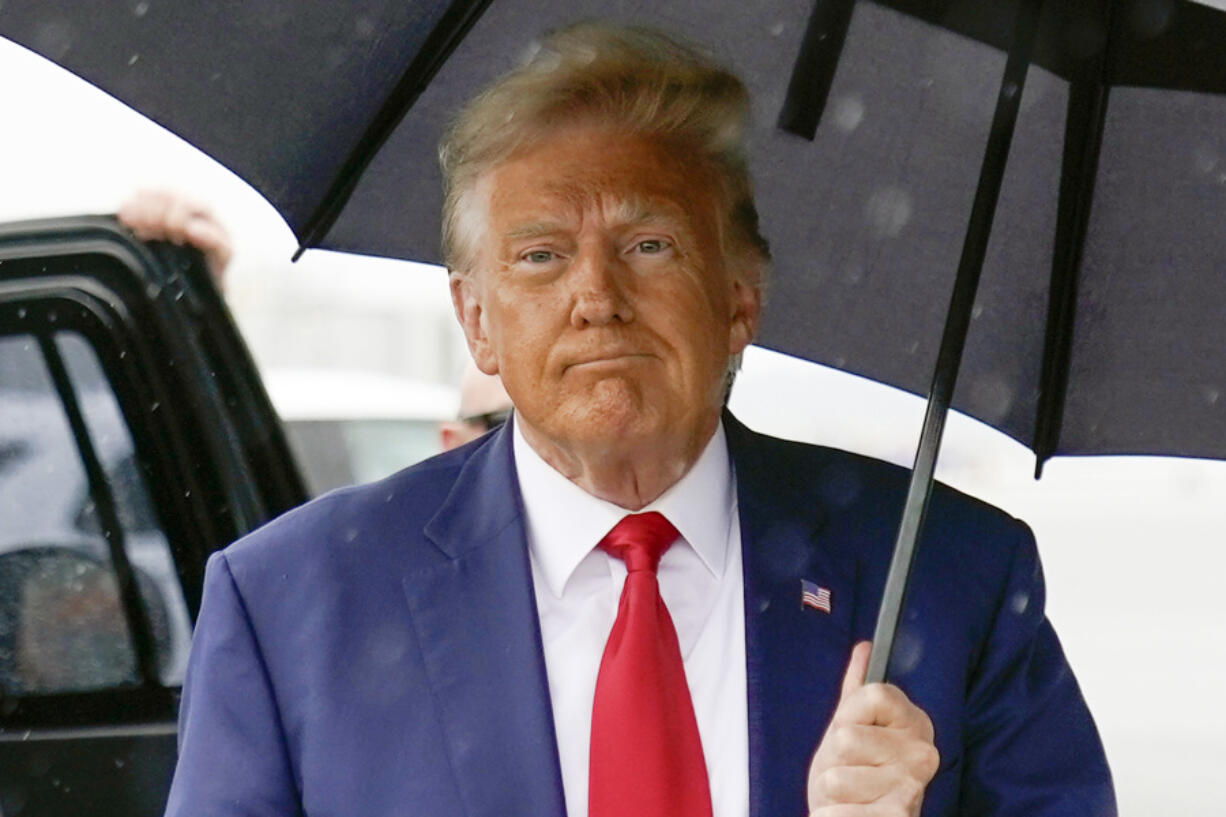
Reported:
(564, 522)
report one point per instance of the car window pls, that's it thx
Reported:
(64, 625)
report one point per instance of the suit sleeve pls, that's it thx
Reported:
(232, 752)
(1031, 747)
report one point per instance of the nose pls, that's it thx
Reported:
(599, 277)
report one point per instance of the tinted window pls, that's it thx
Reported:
(63, 626)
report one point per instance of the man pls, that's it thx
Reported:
(624, 602)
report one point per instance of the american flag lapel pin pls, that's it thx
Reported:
(811, 595)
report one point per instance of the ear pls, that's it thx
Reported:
(746, 306)
(466, 300)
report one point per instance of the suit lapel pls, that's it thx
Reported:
(475, 615)
(795, 655)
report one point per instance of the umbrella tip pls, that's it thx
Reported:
(298, 253)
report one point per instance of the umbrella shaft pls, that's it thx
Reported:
(953, 340)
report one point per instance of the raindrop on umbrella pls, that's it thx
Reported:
(847, 113)
(888, 211)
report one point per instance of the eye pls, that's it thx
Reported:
(652, 246)
(537, 256)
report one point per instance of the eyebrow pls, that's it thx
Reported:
(533, 229)
(637, 210)
(627, 212)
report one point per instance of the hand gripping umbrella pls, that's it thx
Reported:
(1068, 156)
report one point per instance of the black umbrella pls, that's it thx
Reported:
(898, 142)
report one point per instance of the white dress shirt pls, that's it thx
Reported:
(578, 587)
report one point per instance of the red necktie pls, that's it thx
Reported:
(646, 756)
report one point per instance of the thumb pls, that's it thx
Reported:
(853, 679)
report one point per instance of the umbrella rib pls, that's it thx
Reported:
(813, 71)
(442, 40)
(1085, 121)
(953, 339)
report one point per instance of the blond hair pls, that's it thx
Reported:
(630, 78)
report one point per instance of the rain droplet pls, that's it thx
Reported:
(992, 396)
(21, 313)
(132, 59)
(853, 272)
(1020, 602)
(351, 534)
(119, 763)
(53, 39)
(388, 498)
(888, 211)
(156, 405)
(1212, 395)
(187, 494)
(907, 652)
(1205, 159)
(141, 9)
(52, 317)
(976, 311)
(776, 29)
(847, 113)
(1010, 90)
(364, 27)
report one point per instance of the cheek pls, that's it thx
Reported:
(522, 333)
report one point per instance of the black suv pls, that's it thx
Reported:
(135, 439)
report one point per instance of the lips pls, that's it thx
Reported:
(608, 358)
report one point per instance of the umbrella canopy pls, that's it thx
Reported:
(333, 111)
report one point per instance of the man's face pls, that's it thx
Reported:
(600, 293)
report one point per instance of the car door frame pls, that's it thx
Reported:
(206, 437)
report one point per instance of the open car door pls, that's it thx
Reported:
(135, 439)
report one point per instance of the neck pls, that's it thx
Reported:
(630, 474)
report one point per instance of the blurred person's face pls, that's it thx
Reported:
(484, 405)
(600, 294)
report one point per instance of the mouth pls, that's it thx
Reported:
(611, 361)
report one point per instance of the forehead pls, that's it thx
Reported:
(627, 178)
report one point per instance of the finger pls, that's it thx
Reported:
(857, 666)
(143, 213)
(179, 215)
(878, 809)
(863, 745)
(856, 784)
(884, 705)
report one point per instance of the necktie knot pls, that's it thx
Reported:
(639, 540)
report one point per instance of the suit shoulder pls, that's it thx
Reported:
(868, 494)
(395, 508)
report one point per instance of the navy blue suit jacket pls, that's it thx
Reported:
(377, 652)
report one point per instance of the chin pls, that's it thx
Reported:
(617, 419)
